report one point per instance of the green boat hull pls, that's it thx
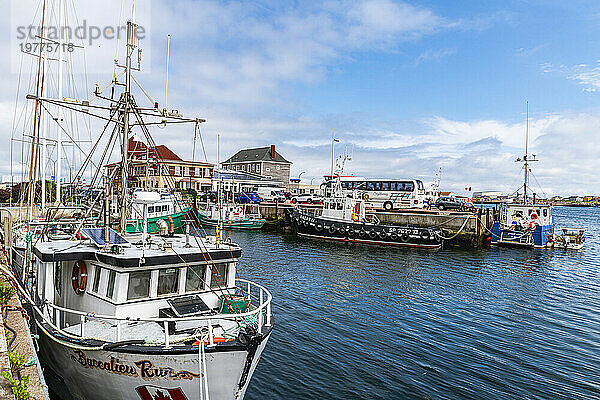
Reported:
(178, 222)
(247, 223)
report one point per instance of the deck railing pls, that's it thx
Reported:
(254, 293)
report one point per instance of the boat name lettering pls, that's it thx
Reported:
(145, 368)
(114, 365)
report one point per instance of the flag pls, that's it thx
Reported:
(336, 140)
(149, 392)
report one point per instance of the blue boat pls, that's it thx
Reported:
(525, 224)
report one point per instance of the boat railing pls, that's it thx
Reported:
(251, 291)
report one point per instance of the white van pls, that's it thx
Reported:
(271, 194)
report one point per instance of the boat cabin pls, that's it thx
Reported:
(525, 216)
(344, 208)
(130, 281)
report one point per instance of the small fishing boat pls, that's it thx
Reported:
(570, 238)
(168, 208)
(525, 224)
(233, 216)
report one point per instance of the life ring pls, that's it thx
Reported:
(79, 277)
(229, 223)
(366, 197)
(532, 225)
(534, 216)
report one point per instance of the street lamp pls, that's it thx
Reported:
(299, 179)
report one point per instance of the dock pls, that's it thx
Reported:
(461, 229)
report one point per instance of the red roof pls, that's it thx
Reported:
(161, 152)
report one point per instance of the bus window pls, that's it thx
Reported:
(409, 186)
(378, 186)
(150, 209)
(385, 186)
(370, 185)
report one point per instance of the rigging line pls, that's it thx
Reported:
(142, 89)
(202, 142)
(75, 142)
(153, 143)
(101, 159)
(538, 183)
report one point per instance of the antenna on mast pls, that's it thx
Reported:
(167, 68)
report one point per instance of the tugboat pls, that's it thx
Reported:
(344, 219)
(526, 224)
(138, 316)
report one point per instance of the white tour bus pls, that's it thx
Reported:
(388, 194)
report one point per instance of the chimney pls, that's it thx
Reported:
(272, 151)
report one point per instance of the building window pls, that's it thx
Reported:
(110, 289)
(194, 280)
(186, 171)
(258, 168)
(168, 281)
(177, 170)
(139, 285)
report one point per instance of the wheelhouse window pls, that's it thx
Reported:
(219, 275)
(110, 288)
(150, 209)
(194, 280)
(168, 281)
(96, 283)
(139, 285)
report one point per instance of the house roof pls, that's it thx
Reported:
(256, 154)
(161, 151)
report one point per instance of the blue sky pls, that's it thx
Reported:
(410, 85)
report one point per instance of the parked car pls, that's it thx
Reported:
(306, 198)
(208, 196)
(247, 198)
(274, 195)
(452, 203)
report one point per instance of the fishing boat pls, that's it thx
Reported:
(570, 238)
(124, 315)
(525, 224)
(168, 208)
(232, 216)
(343, 218)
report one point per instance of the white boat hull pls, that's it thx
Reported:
(110, 375)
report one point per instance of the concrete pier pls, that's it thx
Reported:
(460, 229)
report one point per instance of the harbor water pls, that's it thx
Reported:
(356, 322)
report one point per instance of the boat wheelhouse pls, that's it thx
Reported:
(167, 207)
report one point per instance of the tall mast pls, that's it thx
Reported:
(526, 153)
(60, 97)
(125, 144)
(332, 151)
(45, 123)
